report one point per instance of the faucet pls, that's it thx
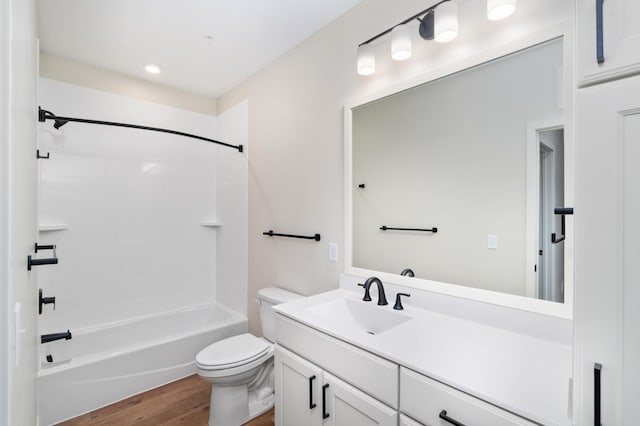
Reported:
(382, 299)
(45, 338)
(407, 272)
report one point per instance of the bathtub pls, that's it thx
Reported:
(102, 365)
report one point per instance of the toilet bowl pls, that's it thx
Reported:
(240, 368)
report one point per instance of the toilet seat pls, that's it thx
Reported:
(244, 350)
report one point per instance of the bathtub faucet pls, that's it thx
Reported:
(55, 336)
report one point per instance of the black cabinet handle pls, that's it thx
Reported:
(599, 33)
(311, 404)
(325, 415)
(597, 368)
(443, 416)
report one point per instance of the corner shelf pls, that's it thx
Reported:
(212, 223)
(52, 227)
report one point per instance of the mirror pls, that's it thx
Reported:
(458, 178)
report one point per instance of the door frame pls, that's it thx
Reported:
(533, 197)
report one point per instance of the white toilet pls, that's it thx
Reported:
(240, 368)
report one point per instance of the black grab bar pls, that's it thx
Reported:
(270, 233)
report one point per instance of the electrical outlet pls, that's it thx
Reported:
(492, 242)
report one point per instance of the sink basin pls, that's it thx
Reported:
(368, 317)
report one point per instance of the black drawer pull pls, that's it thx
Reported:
(443, 416)
(597, 368)
(311, 403)
(325, 415)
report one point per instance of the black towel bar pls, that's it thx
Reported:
(270, 233)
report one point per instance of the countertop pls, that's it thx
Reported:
(519, 372)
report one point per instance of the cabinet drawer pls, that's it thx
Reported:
(424, 399)
(364, 370)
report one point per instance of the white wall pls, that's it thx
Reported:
(18, 211)
(133, 202)
(231, 194)
(451, 154)
(296, 128)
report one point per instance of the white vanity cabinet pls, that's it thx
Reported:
(620, 38)
(607, 251)
(307, 395)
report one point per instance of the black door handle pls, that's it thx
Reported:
(325, 415)
(599, 32)
(443, 416)
(311, 404)
(597, 409)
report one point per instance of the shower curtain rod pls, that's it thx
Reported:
(44, 115)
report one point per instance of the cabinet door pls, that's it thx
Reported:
(620, 39)
(607, 253)
(345, 405)
(298, 390)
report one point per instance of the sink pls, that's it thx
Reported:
(369, 318)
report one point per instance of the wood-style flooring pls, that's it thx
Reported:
(183, 402)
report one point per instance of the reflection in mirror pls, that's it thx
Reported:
(449, 165)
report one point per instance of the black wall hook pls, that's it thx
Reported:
(39, 157)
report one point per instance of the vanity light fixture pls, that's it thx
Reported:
(438, 22)
(446, 22)
(500, 9)
(366, 60)
(401, 43)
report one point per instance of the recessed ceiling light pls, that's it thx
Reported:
(152, 68)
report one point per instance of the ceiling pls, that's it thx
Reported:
(125, 35)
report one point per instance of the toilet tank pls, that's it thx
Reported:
(267, 297)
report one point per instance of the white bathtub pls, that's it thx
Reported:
(102, 365)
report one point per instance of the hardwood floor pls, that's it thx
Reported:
(183, 402)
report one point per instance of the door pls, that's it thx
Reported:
(551, 195)
(620, 39)
(347, 406)
(298, 390)
(607, 250)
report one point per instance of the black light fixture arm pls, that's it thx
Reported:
(44, 115)
(416, 16)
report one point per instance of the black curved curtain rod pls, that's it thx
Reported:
(44, 115)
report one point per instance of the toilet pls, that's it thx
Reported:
(240, 368)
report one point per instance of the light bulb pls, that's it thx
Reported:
(500, 9)
(401, 43)
(366, 60)
(446, 21)
(152, 68)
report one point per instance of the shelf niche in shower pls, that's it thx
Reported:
(49, 227)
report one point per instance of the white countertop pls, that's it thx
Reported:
(522, 373)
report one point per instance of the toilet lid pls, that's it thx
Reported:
(232, 352)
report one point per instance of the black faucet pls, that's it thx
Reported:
(398, 306)
(55, 336)
(407, 272)
(382, 299)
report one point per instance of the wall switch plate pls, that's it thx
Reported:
(492, 242)
(333, 252)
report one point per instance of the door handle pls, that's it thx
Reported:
(597, 409)
(454, 422)
(325, 415)
(599, 32)
(311, 403)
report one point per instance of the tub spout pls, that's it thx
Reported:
(55, 336)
